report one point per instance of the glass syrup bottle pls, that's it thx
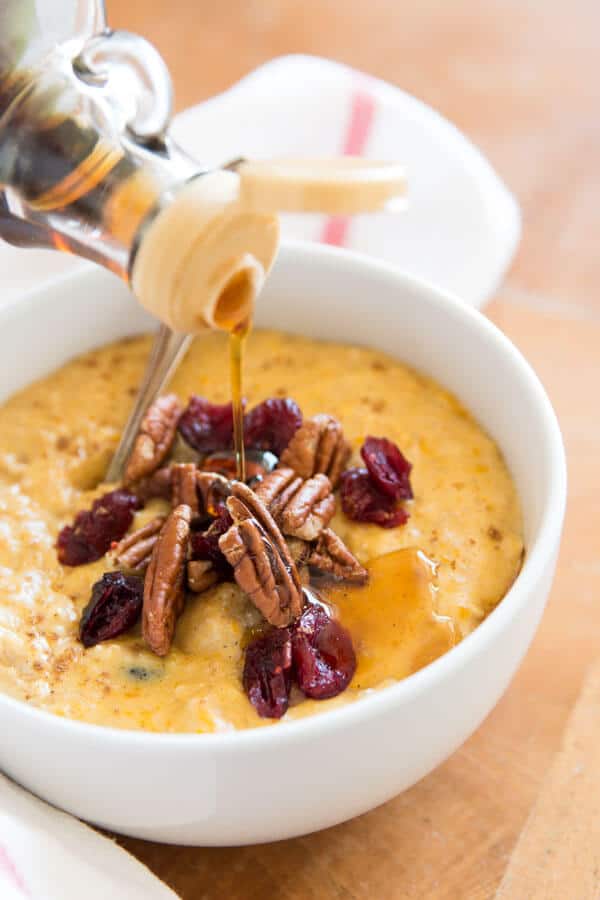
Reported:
(87, 167)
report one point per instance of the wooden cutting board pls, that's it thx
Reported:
(558, 853)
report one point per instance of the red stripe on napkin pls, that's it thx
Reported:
(362, 113)
(8, 866)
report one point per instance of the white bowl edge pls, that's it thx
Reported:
(537, 569)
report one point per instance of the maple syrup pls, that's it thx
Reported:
(237, 341)
(65, 185)
(392, 619)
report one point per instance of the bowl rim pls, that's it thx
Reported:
(538, 558)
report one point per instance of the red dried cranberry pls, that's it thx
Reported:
(205, 544)
(322, 653)
(268, 673)
(207, 426)
(272, 424)
(363, 502)
(115, 605)
(94, 530)
(387, 467)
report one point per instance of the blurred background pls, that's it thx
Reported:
(520, 77)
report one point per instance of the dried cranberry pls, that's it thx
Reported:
(115, 605)
(258, 463)
(387, 467)
(94, 530)
(205, 544)
(207, 426)
(362, 501)
(268, 673)
(322, 653)
(272, 424)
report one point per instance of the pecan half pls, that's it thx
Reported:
(213, 489)
(319, 446)
(164, 582)
(201, 575)
(332, 557)
(174, 482)
(277, 489)
(184, 486)
(300, 550)
(310, 509)
(157, 433)
(302, 508)
(158, 484)
(262, 563)
(134, 551)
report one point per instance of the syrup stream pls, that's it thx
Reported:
(237, 341)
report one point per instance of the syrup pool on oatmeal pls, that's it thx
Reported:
(431, 579)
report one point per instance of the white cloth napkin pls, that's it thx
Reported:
(461, 226)
(48, 855)
(460, 230)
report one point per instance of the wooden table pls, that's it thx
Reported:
(522, 79)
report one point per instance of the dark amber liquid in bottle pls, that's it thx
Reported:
(62, 183)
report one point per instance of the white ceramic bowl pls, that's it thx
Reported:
(273, 783)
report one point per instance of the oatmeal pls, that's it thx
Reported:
(411, 556)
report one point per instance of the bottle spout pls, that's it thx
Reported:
(85, 155)
(202, 260)
(234, 303)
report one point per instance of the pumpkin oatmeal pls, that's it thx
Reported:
(368, 556)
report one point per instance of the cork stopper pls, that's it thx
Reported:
(343, 186)
(204, 258)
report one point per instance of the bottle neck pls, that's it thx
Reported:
(102, 232)
(73, 175)
(195, 257)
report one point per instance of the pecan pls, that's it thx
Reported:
(164, 582)
(277, 489)
(157, 433)
(134, 551)
(332, 557)
(213, 489)
(183, 486)
(174, 482)
(302, 508)
(299, 550)
(310, 509)
(158, 484)
(319, 446)
(262, 563)
(201, 575)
